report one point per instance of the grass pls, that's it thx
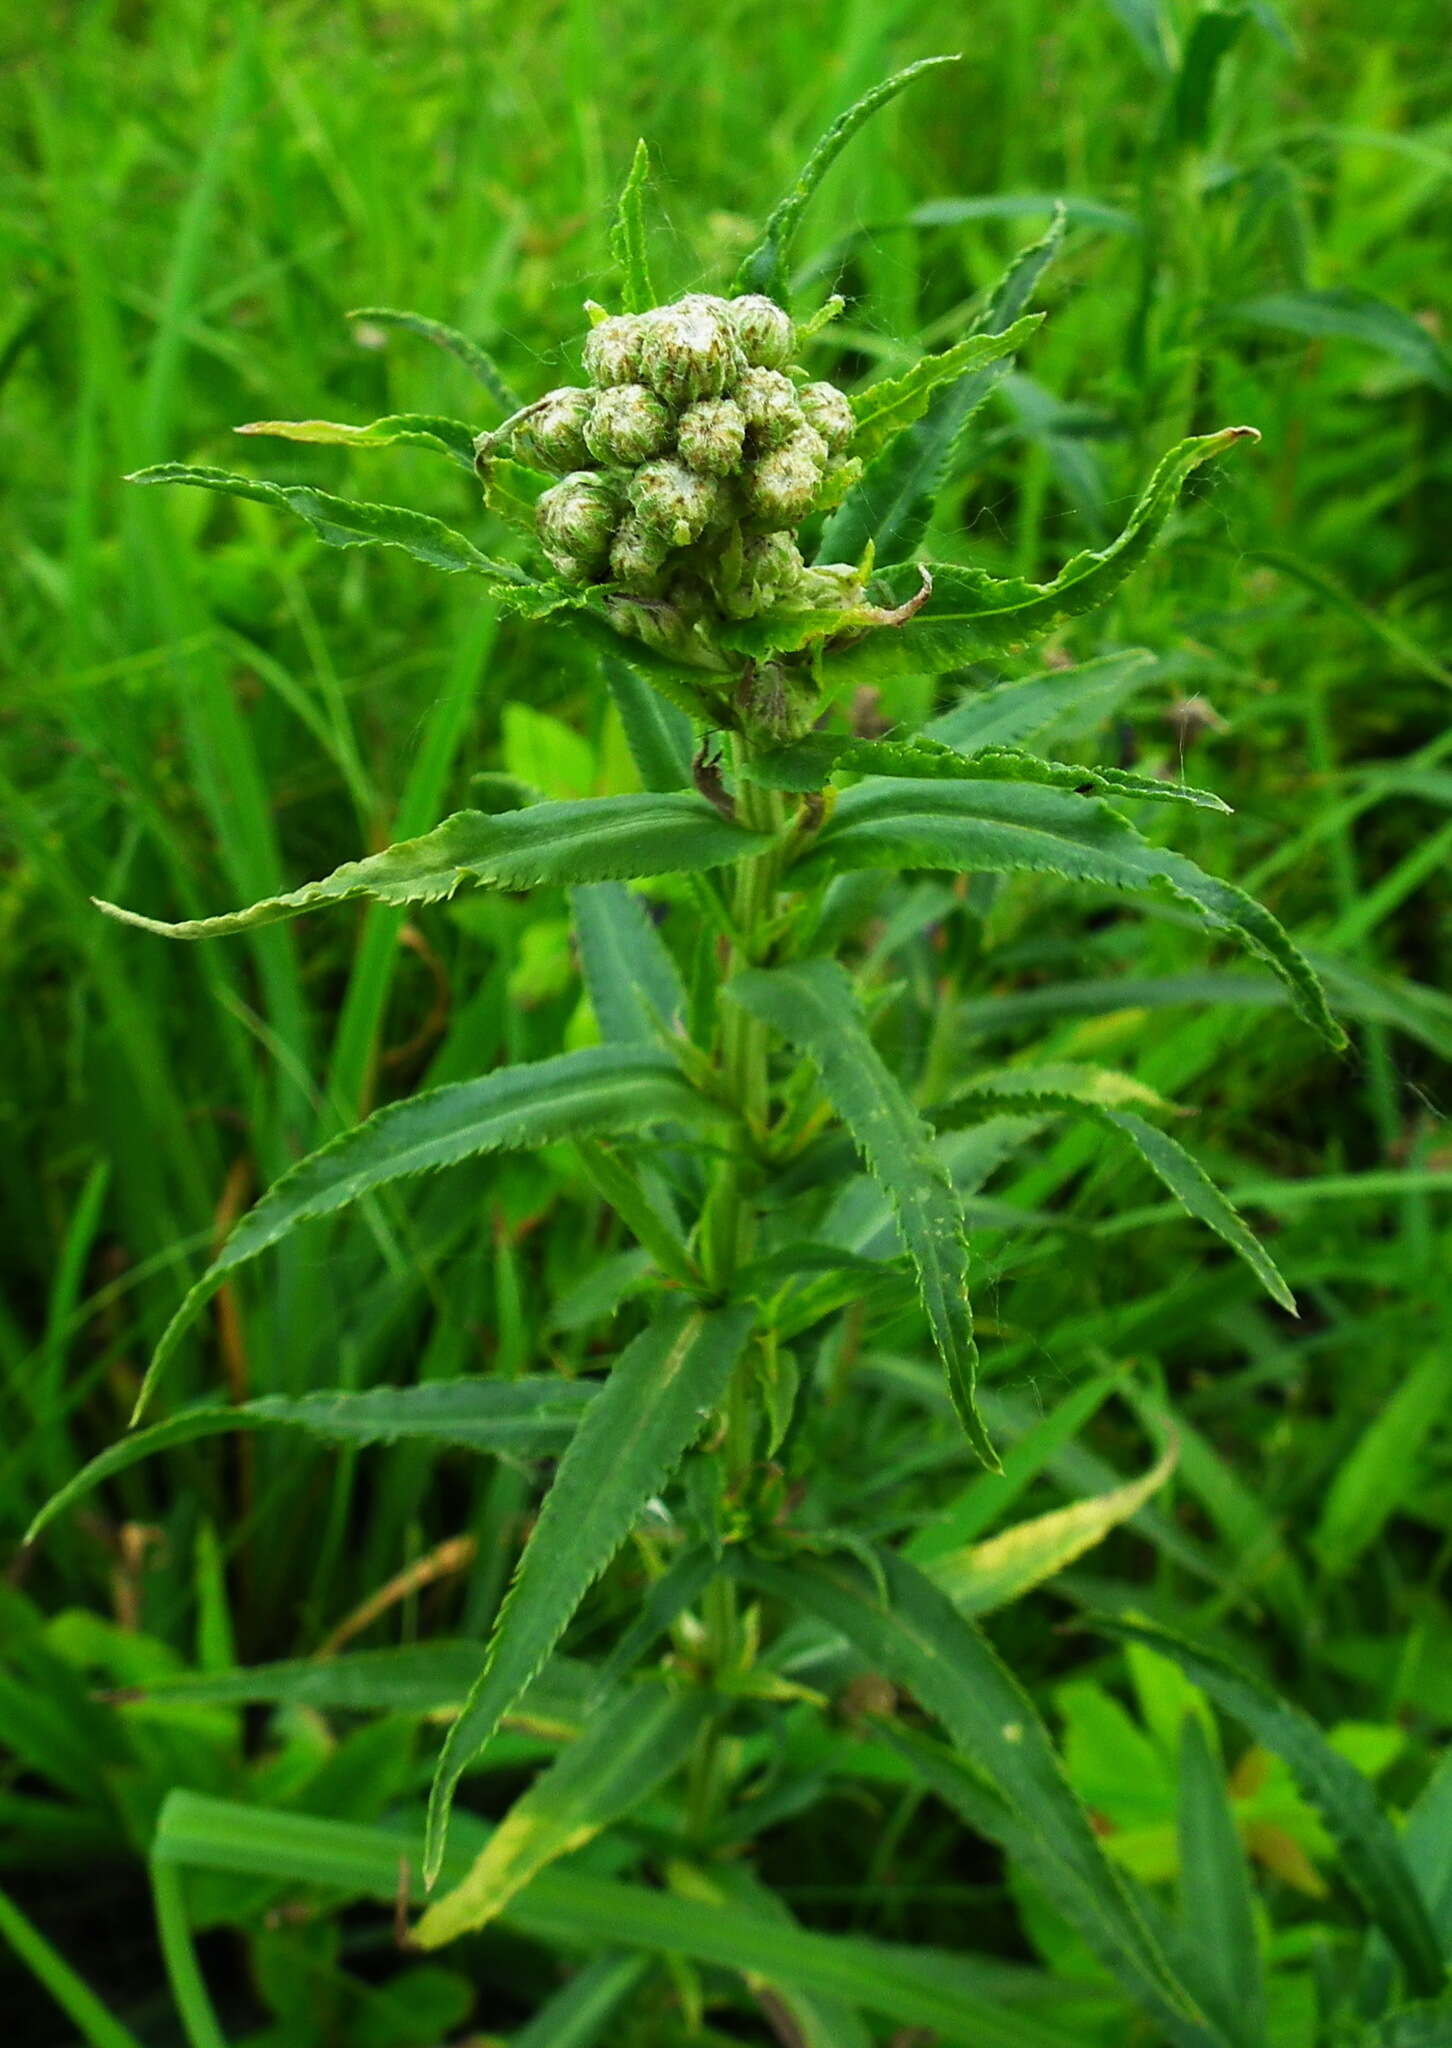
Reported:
(200, 711)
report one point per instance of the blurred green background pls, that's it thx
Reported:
(200, 706)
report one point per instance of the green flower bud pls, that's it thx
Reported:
(765, 332)
(612, 350)
(781, 489)
(690, 350)
(577, 517)
(638, 555)
(627, 425)
(771, 572)
(553, 437)
(832, 586)
(672, 500)
(659, 625)
(830, 412)
(710, 436)
(769, 402)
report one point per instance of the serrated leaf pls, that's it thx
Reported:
(1063, 702)
(812, 1007)
(596, 839)
(595, 1089)
(970, 613)
(512, 491)
(764, 270)
(635, 1432)
(619, 1757)
(806, 764)
(886, 408)
(658, 730)
(1001, 828)
(634, 985)
(1371, 1856)
(524, 1418)
(478, 361)
(628, 239)
(1217, 1909)
(453, 438)
(342, 523)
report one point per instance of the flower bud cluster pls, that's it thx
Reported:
(686, 466)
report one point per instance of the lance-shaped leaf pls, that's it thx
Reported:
(598, 839)
(1372, 1861)
(1063, 703)
(344, 524)
(454, 438)
(916, 1637)
(524, 1418)
(477, 361)
(1000, 828)
(886, 408)
(640, 1424)
(970, 613)
(764, 270)
(595, 1089)
(628, 240)
(1174, 1167)
(620, 1756)
(1217, 1902)
(806, 764)
(812, 1007)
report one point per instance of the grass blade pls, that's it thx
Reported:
(477, 361)
(1216, 1903)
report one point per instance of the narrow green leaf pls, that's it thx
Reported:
(594, 840)
(1425, 2025)
(410, 1678)
(512, 491)
(886, 408)
(1216, 1902)
(408, 429)
(628, 238)
(1376, 1477)
(620, 1756)
(813, 1008)
(1213, 34)
(971, 614)
(764, 270)
(479, 363)
(597, 1088)
(1064, 703)
(345, 524)
(634, 985)
(657, 728)
(525, 1418)
(1371, 1856)
(1351, 316)
(85, 2011)
(635, 1432)
(577, 2016)
(1002, 828)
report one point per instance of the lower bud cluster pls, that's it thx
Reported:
(687, 465)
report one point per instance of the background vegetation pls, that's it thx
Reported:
(199, 710)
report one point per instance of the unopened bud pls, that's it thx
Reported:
(612, 350)
(690, 350)
(780, 491)
(672, 500)
(552, 436)
(638, 555)
(577, 518)
(765, 332)
(830, 412)
(769, 403)
(627, 424)
(771, 572)
(710, 436)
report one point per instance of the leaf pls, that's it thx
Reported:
(884, 409)
(577, 2015)
(892, 504)
(634, 985)
(623, 1752)
(764, 270)
(1374, 1479)
(812, 1006)
(806, 763)
(1371, 1856)
(1064, 702)
(1351, 316)
(411, 429)
(1217, 1908)
(480, 364)
(918, 1639)
(628, 240)
(597, 1088)
(593, 840)
(982, 1576)
(657, 730)
(970, 613)
(638, 1427)
(1426, 2025)
(524, 1418)
(90, 2017)
(344, 524)
(512, 492)
(1002, 828)
(1213, 34)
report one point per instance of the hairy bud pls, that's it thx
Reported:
(672, 500)
(627, 424)
(771, 572)
(552, 436)
(638, 555)
(690, 350)
(829, 411)
(710, 436)
(765, 332)
(768, 402)
(612, 350)
(780, 491)
(577, 518)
